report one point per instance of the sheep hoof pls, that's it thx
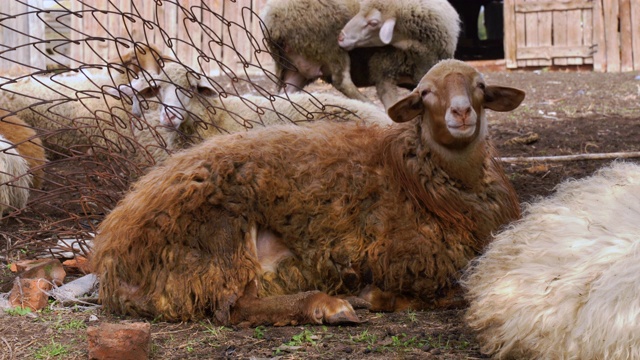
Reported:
(331, 310)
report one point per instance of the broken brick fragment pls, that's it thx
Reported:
(124, 341)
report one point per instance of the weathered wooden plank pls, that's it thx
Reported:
(212, 35)
(261, 58)
(538, 6)
(545, 34)
(626, 46)
(611, 32)
(544, 52)
(587, 31)
(574, 33)
(521, 35)
(168, 21)
(37, 34)
(531, 29)
(559, 34)
(237, 50)
(193, 34)
(186, 33)
(635, 36)
(510, 44)
(76, 50)
(600, 56)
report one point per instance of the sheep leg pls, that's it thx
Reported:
(312, 307)
(387, 92)
(386, 301)
(341, 80)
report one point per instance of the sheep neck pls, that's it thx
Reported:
(438, 180)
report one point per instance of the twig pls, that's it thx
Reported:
(9, 347)
(595, 156)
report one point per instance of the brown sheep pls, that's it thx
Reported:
(21, 160)
(248, 227)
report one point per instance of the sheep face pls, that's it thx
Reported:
(367, 29)
(451, 99)
(171, 91)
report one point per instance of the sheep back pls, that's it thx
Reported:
(309, 28)
(562, 282)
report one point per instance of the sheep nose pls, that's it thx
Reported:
(460, 107)
(461, 112)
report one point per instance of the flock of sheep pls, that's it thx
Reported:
(289, 224)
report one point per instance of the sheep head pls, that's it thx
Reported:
(370, 27)
(173, 92)
(451, 99)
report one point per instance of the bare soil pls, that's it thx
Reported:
(564, 113)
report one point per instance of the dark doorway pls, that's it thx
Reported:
(482, 29)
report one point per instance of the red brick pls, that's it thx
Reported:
(29, 293)
(125, 341)
(50, 269)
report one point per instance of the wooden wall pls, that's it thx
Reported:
(212, 36)
(604, 33)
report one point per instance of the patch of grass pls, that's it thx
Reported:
(18, 311)
(73, 324)
(52, 350)
(365, 337)
(258, 332)
(412, 316)
(403, 341)
(305, 336)
(215, 331)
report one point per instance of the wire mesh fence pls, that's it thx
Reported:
(92, 79)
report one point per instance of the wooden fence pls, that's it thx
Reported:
(225, 35)
(213, 36)
(605, 33)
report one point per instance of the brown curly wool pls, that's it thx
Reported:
(335, 207)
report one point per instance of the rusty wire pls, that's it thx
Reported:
(86, 177)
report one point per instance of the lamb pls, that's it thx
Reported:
(21, 160)
(73, 113)
(247, 228)
(425, 30)
(562, 282)
(300, 33)
(203, 112)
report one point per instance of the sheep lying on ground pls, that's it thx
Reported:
(200, 111)
(21, 160)
(73, 112)
(425, 30)
(562, 283)
(247, 227)
(304, 33)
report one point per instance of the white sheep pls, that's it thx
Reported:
(188, 101)
(245, 228)
(21, 160)
(74, 113)
(425, 31)
(562, 283)
(303, 41)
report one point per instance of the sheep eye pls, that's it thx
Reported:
(150, 91)
(205, 91)
(481, 86)
(425, 92)
(373, 23)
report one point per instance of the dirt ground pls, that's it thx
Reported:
(564, 113)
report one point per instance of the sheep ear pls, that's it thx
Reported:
(499, 98)
(407, 108)
(386, 31)
(205, 89)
